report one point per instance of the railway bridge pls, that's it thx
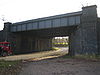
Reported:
(82, 27)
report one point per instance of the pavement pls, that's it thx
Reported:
(61, 51)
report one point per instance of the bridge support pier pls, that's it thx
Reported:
(84, 39)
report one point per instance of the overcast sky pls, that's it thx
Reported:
(21, 10)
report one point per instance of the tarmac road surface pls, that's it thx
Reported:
(61, 51)
(61, 66)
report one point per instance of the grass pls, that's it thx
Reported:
(88, 56)
(83, 57)
(55, 48)
(4, 64)
(10, 67)
(61, 43)
(67, 56)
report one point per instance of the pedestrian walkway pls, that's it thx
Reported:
(59, 52)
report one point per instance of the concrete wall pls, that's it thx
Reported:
(27, 44)
(43, 44)
(1, 36)
(84, 39)
(98, 35)
(5, 34)
(75, 46)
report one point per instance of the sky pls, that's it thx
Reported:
(21, 10)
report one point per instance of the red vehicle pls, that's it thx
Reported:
(5, 48)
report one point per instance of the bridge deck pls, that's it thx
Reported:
(69, 19)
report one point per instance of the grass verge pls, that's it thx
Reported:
(5, 64)
(87, 57)
(10, 67)
(55, 48)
